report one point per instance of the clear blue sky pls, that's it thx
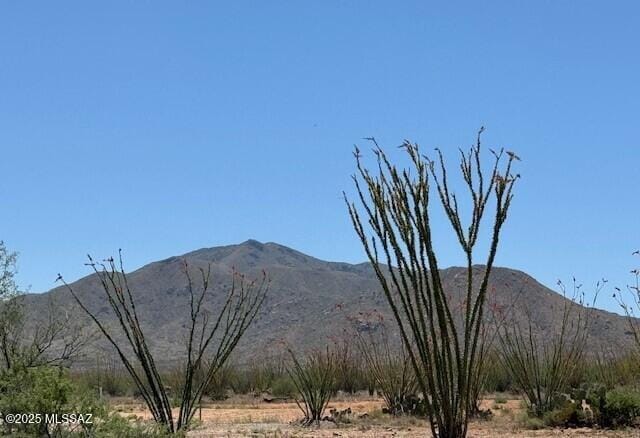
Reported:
(162, 127)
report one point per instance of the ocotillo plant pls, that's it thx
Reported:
(396, 234)
(314, 378)
(631, 307)
(349, 372)
(212, 335)
(389, 367)
(541, 368)
(614, 366)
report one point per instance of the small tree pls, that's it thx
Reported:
(54, 339)
(314, 378)
(10, 309)
(396, 208)
(8, 288)
(210, 340)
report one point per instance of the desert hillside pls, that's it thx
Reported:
(310, 301)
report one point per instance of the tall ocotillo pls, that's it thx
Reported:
(395, 207)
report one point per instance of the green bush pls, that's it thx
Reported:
(114, 382)
(43, 390)
(258, 377)
(220, 384)
(497, 378)
(622, 407)
(613, 369)
(593, 404)
(531, 423)
(568, 415)
(116, 426)
(616, 407)
(283, 387)
(49, 390)
(568, 410)
(215, 389)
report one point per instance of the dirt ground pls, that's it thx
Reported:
(251, 417)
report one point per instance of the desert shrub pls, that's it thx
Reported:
(243, 381)
(113, 425)
(622, 407)
(50, 390)
(258, 377)
(283, 387)
(216, 387)
(531, 423)
(542, 368)
(105, 377)
(388, 366)
(219, 386)
(394, 377)
(116, 384)
(568, 414)
(350, 376)
(593, 404)
(613, 369)
(240, 383)
(47, 337)
(314, 378)
(410, 404)
(497, 377)
(44, 390)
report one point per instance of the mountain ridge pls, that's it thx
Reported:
(310, 301)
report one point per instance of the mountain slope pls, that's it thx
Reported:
(309, 300)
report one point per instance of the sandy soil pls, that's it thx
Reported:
(245, 417)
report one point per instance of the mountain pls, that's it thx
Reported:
(310, 301)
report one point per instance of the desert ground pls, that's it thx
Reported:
(253, 417)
